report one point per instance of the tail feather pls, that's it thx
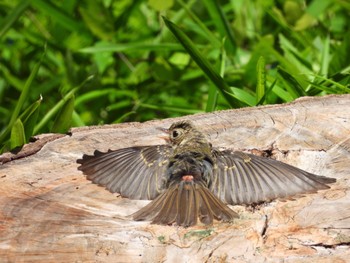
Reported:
(183, 203)
(216, 208)
(188, 205)
(150, 211)
(168, 207)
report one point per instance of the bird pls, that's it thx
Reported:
(190, 181)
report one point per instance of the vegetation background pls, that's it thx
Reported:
(71, 63)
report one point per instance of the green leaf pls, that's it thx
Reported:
(261, 79)
(97, 19)
(18, 137)
(341, 55)
(203, 63)
(284, 95)
(337, 87)
(243, 96)
(170, 108)
(23, 97)
(161, 5)
(127, 47)
(12, 17)
(17, 83)
(58, 15)
(202, 28)
(292, 85)
(325, 59)
(51, 113)
(96, 94)
(119, 105)
(180, 59)
(124, 116)
(77, 121)
(29, 118)
(220, 20)
(294, 61)
(263, 98)
(316, 7)
(64, 117)
(305, 22)
(264, 46)
(212, 98)
(213, 92)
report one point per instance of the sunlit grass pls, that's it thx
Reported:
(72, 63)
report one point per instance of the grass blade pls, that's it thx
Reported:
(244, 96)
(204, 64)
(170, 108)
(18, 137)
(221, 22)
(261, 79)
(22, 98)
(29, 118)
(206, 31)
(124, 47)
(213, 92)
(263, 98)
(58, 15)
(64, 117)
(325, 59)
(292, 85)
(49, 115)
(11, 18)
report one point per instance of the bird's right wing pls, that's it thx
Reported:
(135, 172)
(241, 178)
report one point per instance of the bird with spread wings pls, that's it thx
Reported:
(188, 179)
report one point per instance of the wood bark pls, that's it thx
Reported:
(51, 213)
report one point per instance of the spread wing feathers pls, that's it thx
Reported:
(136, 172)
(183, 203)
(241, 178)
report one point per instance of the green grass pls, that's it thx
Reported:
(74, 63)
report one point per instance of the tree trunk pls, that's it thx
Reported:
(51, 213)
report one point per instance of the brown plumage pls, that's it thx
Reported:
(184, 203)
(190, 180)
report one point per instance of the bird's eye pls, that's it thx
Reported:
(175, 134)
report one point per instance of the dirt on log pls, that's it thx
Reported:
(51, 213)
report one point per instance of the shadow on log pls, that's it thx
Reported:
(51, 213)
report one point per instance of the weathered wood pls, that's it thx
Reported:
(51, 213)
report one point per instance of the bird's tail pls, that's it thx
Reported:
(183, 203)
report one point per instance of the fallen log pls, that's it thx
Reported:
(51, 213)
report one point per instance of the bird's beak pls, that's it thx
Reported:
(164, 137)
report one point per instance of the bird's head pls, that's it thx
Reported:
(179, 131)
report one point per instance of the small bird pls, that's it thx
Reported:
(189, 180)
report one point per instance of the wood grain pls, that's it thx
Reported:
(51, 213)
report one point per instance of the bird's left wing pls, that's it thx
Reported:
(135, 172)
(240, 178)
